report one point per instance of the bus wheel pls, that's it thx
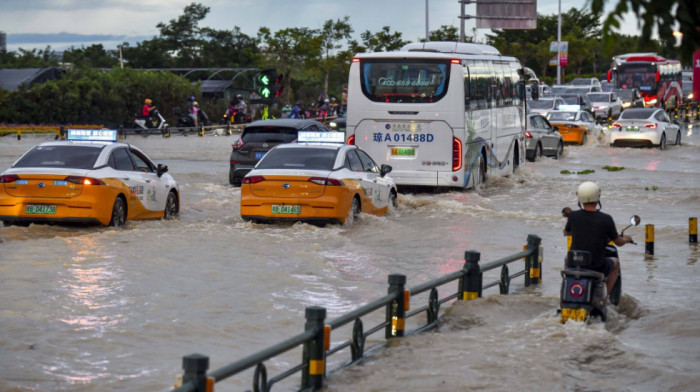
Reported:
(481, 178)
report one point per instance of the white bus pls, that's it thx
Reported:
(442, 114)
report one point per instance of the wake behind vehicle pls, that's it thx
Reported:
(583, 294)
(644, 127)
(87, 179)
(318, 180)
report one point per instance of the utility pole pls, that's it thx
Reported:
(559, 46)
(427, 30)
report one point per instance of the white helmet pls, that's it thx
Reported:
(588, 192)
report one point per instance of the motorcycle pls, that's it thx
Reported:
(583, 292)
(235, 118)
(159, 122)
(184, 120)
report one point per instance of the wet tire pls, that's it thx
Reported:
(233, 180)
(538, 152)
(118, 213)
(560, 150)
(662, 142)
(354, 211)
(616, 292)
(584, 139)
(172, 206)
(393, 200)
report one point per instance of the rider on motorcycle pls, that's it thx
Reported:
(146, 110)
(591, 230)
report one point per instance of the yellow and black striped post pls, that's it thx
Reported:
(532, 262)
(195, 367)
(649, 239)
(693, 230)
(470, 282)
(19, 134)
(396, 309)
(314, 356)
(201, 130)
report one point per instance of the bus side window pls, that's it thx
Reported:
(467, 91)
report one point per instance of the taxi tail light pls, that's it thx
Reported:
(351, 140)
(84, 180)
(7, 178)
(528, 135)
(456, 154)
(650, 125)
(253, 179)
(326, 181)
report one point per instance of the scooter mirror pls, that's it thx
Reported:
(634, 220)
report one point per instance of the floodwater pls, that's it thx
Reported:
(104, 309)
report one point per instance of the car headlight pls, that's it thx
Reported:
(625, 104)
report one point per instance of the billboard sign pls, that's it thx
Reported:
(564, 59)
(508, 15)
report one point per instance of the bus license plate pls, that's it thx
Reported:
(259, 155)
(403, 151)
(40, 209)
(286, 209)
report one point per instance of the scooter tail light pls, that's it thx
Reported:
(617, 125)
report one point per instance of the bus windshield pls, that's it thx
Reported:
(639, 76)
(404, 81)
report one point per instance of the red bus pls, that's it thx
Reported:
(657, 79)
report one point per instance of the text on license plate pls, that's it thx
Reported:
(403, 151)
(573, 314)
(40, 209)
(286, 209)
(259, 155)
(632, 129)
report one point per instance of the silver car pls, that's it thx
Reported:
(644, 127)
(543, 105)
(541, 138)
(605, 105)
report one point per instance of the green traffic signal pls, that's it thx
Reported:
(264, 79)
(264, 92)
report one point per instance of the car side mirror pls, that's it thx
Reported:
(556, 128)
(385, 169)
(161, 169)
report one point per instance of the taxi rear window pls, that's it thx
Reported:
(70, 157)
(299, 158)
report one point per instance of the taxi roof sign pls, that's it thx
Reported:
(321, 137)
(569, 108)
(92, 135)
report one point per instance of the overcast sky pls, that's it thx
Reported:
(115, 21)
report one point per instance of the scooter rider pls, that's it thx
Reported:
(591, 230)
(146, 111)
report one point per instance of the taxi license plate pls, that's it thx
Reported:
(40, 209)
(259, 155)
(286, 209)
(573, 314)
(403, 151)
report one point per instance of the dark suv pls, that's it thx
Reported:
(259, 137)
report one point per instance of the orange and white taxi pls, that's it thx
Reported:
(317, 180)
(90, 178)
(575, 126)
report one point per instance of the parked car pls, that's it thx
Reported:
(630, 97)
(543, 105)
(316, 183)
(541, 138)
(574, 126)
(259, 137)
(605, 105)
(644, 127)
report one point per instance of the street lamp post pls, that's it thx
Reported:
(559, 46)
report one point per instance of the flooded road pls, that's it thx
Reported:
(103, 309)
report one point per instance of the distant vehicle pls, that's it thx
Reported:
(583, 90)
(585, 82)
(578, 99)
(259, 137)
(575, 126)
(607, 87)
(88, 179)
(687, 86)
(630, 97)
(543, 105)
(541, 138)
(316, 183)
(657, 78)
(644, 127)
(605, 105)
(558, 89)
(339, 124)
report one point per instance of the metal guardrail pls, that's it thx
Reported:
(316, 336)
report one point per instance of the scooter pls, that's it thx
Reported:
(583, 292)
(159, 122)
(235, 118)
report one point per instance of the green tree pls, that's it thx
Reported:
(94, 56)
(445, 33)
(184, 37)
(330, 36)
(662, 15)
(381, 41)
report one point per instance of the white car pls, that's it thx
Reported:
(544, 105)
(606, 105)
(644, 127)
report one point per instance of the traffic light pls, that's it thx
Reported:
(270, 84)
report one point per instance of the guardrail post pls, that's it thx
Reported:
(533, 263)
(470, 283)
(693, 230)
(314, 356)
(649, 239)
(19, 134)
(59, 132)
(121, 133)
(195, 367)
(396, 310)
